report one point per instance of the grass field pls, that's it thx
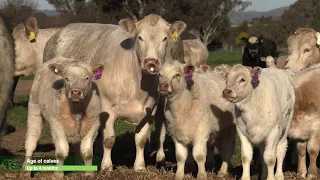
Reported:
(17, 119)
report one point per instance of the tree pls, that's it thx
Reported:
(18, 10)
(206, 19)
(69, 6)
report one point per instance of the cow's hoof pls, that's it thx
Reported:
(279, 177)
(222, 174)
(106, 168)
(311, 177)
(245, 178)
(202, 176)
(302, 174)
(178, 176)
(58, 175)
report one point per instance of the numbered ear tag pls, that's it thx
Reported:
(175, 36)
(32, 36)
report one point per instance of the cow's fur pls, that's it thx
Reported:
(7, 61)
(305, 126)
(29, 54)
(72, 119)
(132, 54)
(197, 113)
(262, 120)
(195, 52)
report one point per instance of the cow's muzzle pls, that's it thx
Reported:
(228, 94)
(152, 65)
(163, 88)
(75, 95)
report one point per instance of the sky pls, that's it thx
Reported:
(258, 5)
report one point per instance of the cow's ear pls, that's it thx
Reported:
(205, 67)
(260, 39)
(188, 71)
(31, 28)
(222, 70)
(255, 74)
(176, 29)
(56, 69)
(263, 59)
(128, 26)
(244, 40)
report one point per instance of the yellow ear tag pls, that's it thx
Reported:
(174, 36)
(32, 36)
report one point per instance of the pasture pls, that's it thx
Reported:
(123, 153)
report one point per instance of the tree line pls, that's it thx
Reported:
(206, 19)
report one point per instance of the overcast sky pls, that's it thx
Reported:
(258, 5)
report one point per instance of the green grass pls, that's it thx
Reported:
(17, 117)
(219, 57)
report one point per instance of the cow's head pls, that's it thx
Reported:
(175, 77)
(241, 81)
(77, 78)
(253, 43)
(303, 47)
(151, 36)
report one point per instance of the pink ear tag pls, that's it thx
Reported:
(98, 74)
(255, 78)
(188, 76)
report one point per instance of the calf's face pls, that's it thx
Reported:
(151, 39)
(240, 80)
(77, 78)
(303, 47)
(174, 77)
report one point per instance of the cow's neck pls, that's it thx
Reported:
(181, 103)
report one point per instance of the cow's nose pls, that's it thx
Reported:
(164, 86)
(76, 93)
(152, 65)
(226, 92)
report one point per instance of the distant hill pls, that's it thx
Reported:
(48, 12)
(239, 17)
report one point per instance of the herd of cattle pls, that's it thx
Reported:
(88, 75)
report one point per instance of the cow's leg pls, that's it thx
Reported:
(246, 155)
(143, 132)
(61, 146)
(264, 172)
(313, 150)
(226, 146)
(14, 85)
(86, 146)
(181, 157)
(269, 155)
(281, 153)
(161, 136)
(109, 140)
(199, 153)
(34, 131)
(302, 150)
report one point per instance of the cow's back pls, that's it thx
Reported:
(195, 52)
(282, 86)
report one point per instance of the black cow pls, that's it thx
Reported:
(257, 47)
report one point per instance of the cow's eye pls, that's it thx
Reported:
(87, 78)
(307, 50)
(176, 76)
(164, 39)
(242, 80)
(66, 79)
(140, 38)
